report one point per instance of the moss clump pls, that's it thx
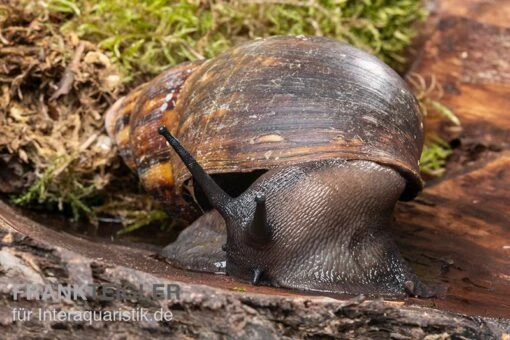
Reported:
(54, 152)
(146, 36)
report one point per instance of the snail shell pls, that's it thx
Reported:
(270, 102)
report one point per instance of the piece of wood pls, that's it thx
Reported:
(469, 57)
(458, 230)
(493, 12)
(205, 311)
(458, 233)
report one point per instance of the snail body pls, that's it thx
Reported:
(300, 145)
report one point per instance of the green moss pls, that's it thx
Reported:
(434, 155)
(67, 191)
(435, 151)
(146, 36)
(429, 94)
(142, 218)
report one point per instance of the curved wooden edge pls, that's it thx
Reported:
(200, 309)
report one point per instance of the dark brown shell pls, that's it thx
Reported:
(282, 100)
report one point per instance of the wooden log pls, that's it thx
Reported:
(457, 233)
(467, 51)
(200, 310)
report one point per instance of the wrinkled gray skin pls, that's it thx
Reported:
(329, 232)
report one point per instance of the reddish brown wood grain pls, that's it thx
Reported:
(457, 233)
(470, 59)
(458, 230)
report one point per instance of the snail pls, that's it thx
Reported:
(297, 149)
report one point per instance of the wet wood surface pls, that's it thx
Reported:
(457, 233)
(208, 306)
(460, 225)
(468, 51)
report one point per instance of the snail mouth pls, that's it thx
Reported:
(234, 184)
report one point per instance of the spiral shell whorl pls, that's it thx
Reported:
(132, 122)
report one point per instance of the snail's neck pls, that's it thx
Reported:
(347, 190)
(358, 193)
(334, 197)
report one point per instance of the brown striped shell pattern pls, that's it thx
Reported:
(269, 102)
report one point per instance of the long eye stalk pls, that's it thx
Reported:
(218, 198)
